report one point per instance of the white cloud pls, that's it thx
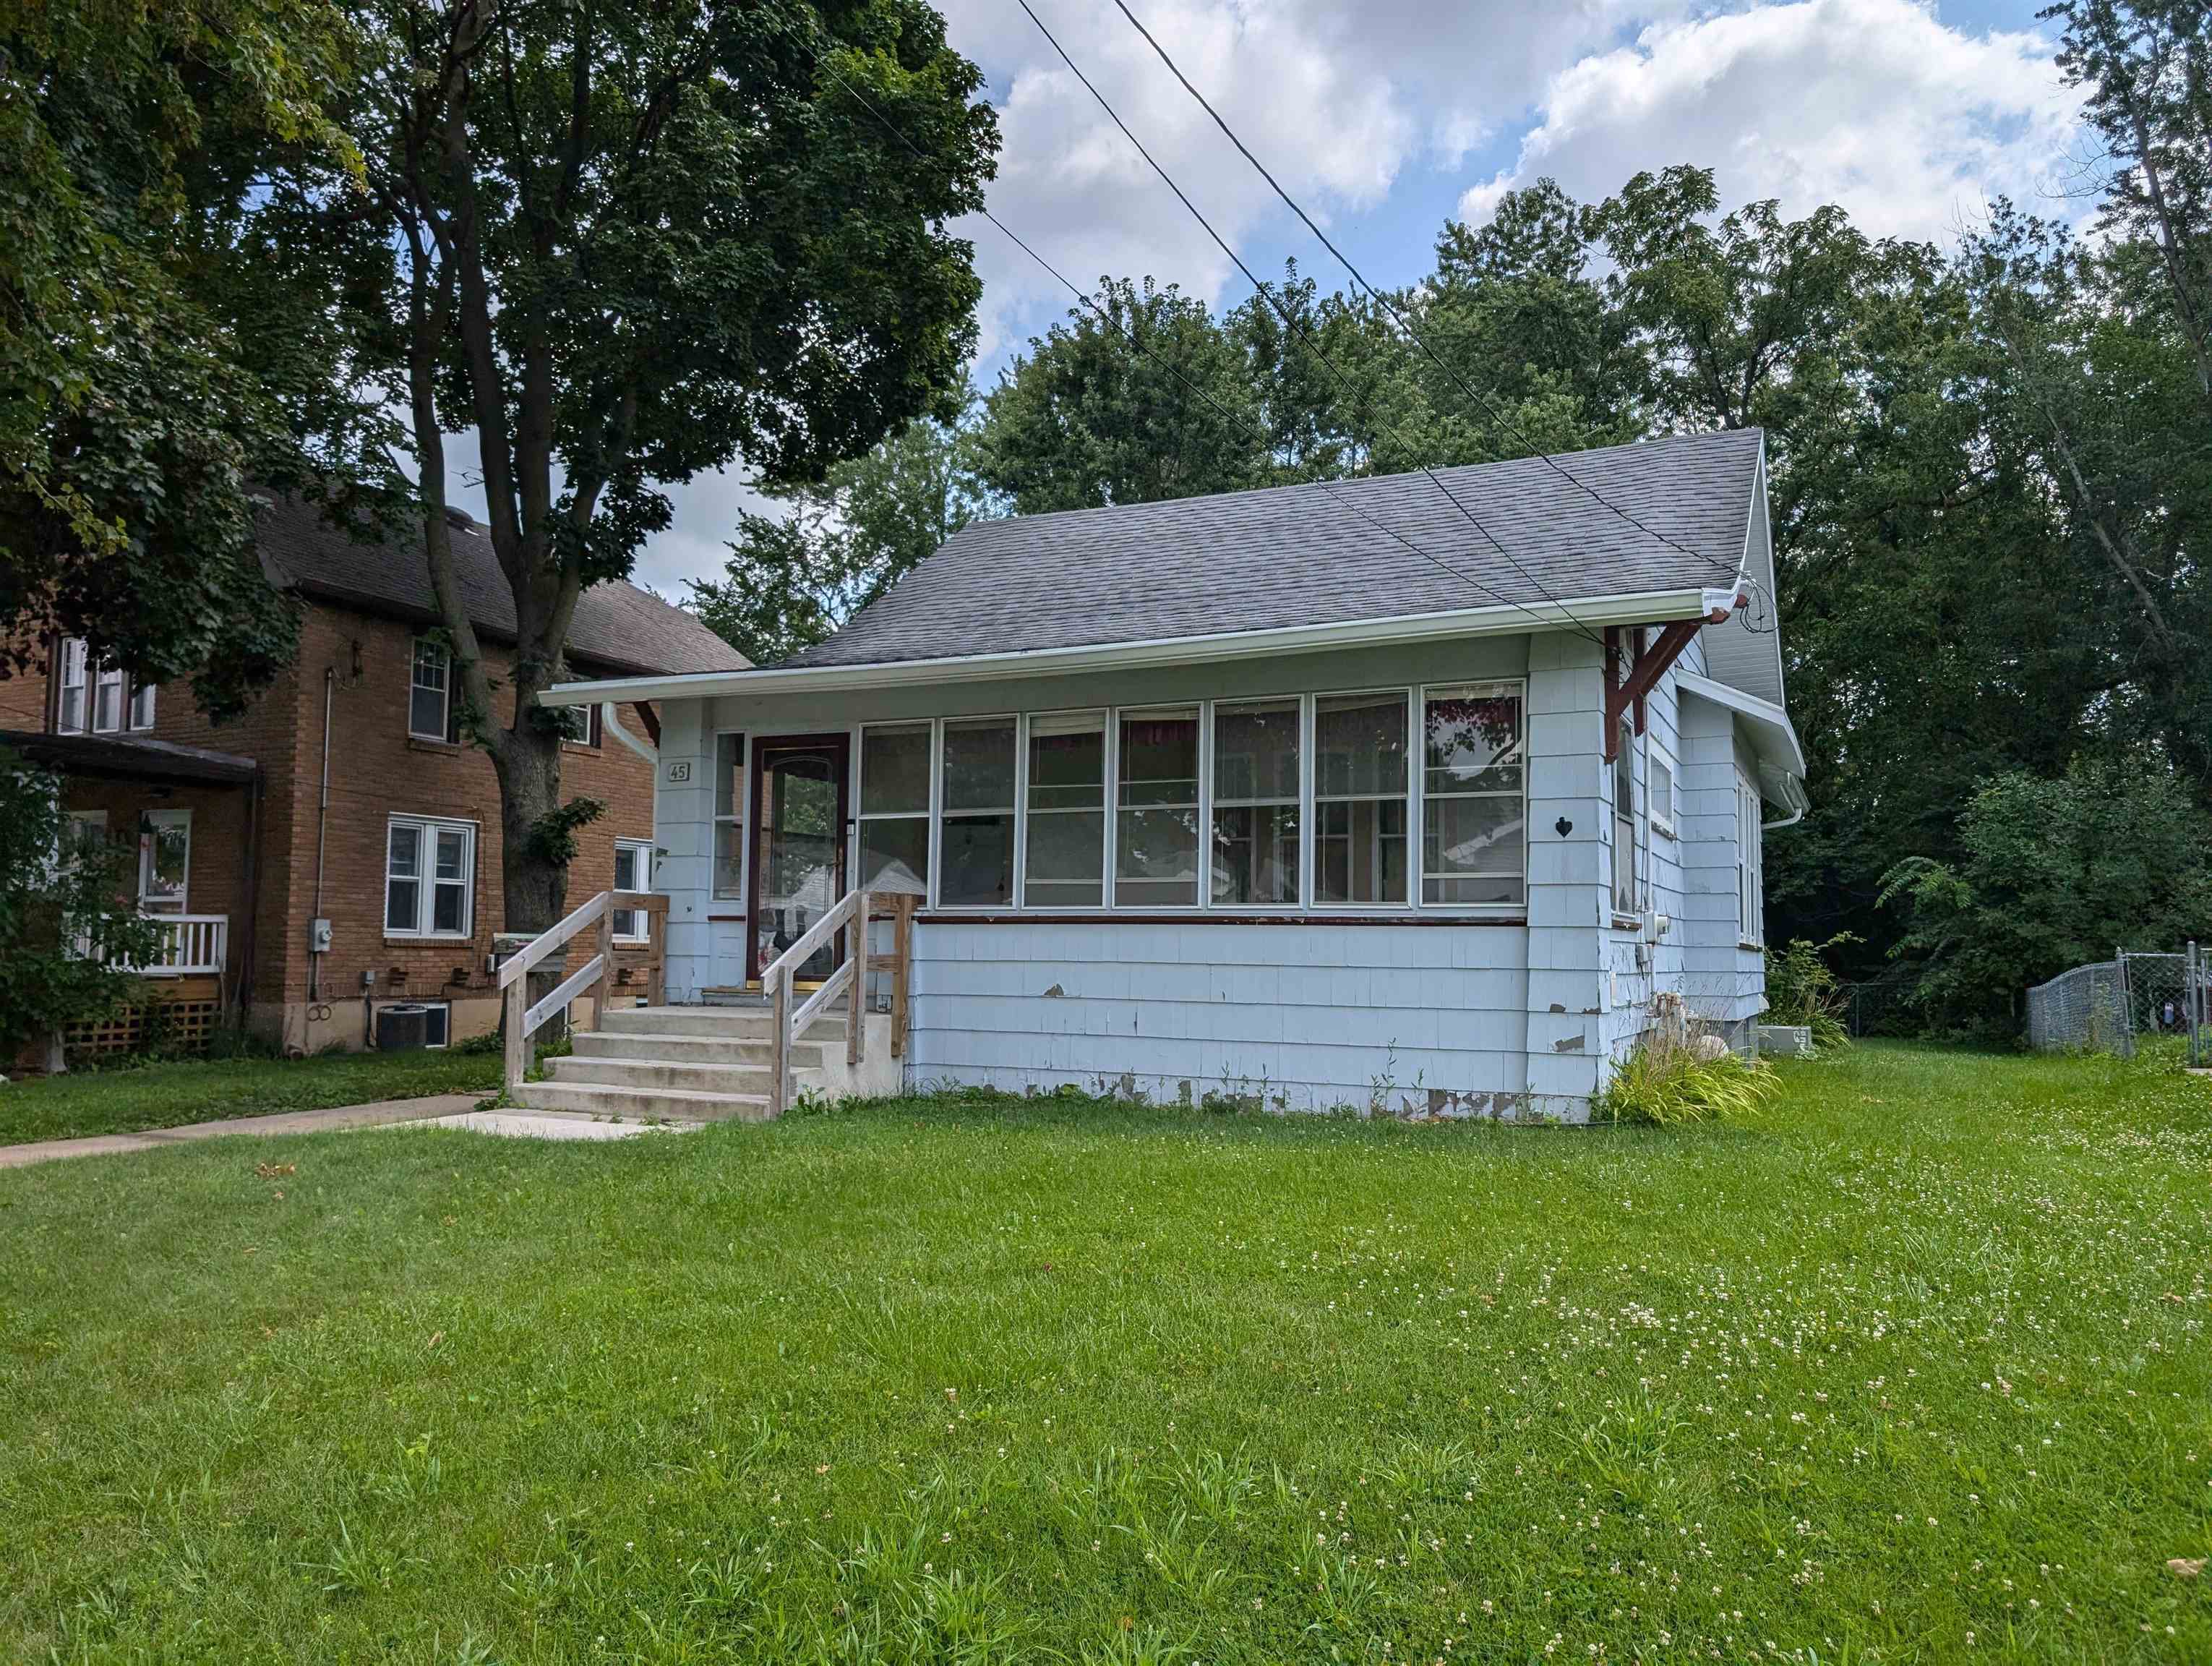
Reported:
(1875, 104)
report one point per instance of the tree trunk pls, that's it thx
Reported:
(534, 892)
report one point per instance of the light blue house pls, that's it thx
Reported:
(1413, 792)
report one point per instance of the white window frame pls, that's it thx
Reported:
(1417, 766)
(742, 821)
(939, 814)
(414, 649)
(639, 922)
(104, 679)
(1201, 714)
(1107, 729)
(1750, 863)
(1639, 825)
(926, 814)
(1302, 704)
(143, 692)
(427, 880)
(1664, 818)
(148, 846)
(1311, 884)
(75, 678)
(81, 829)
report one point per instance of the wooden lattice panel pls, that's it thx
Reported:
(184, 1026)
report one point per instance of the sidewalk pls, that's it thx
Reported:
(284, 1121)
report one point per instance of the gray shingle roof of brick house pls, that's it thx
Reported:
(1291, 555)
(617, 627)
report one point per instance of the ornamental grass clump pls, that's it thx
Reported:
(1669, 1081)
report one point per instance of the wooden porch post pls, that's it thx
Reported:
(856, 1009)
(779, 1061)
(517, 1045)
(606, 965)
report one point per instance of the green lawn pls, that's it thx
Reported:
(1916, 1370)
(167, 1095)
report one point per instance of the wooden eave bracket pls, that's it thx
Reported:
(1653, 658)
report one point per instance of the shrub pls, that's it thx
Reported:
(1666, 1082)
(1800, 990)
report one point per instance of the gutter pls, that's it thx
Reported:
(1649, 607)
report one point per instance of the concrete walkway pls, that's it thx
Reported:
(284, 1121)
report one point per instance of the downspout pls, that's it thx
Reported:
(612, 723)
(322, 829)
(242, 990)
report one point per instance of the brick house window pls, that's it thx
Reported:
(429, 878)
(430, 692)
(142, 706)
(69, 719)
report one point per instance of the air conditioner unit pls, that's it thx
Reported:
(403, 1028)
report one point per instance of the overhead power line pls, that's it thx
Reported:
(1358, 277)
(1297, 331)
(1325, 487)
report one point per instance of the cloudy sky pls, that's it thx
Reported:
(1384, 117)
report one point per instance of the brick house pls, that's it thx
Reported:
(343, 794)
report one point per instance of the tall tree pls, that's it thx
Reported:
(624, 245)
(136, 416)
(792, 579)
(1150, 400)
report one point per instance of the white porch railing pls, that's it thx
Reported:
(524, 1022)
(850, 915)
(190, 945)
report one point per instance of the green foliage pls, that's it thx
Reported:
(2055, 874)
(66, 925)
(1803, 989)
(137, 411)
(1669, 1084)
(792, 580)
(552, 838)
(1086, 418)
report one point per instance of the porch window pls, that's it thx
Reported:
(429, 702)
(1255, 803)
(895, 803)
(729, 816)
(1065, 863)
(429, 878)
(1475, 843)
(1155, 834)
(1359, 798)
(1624, 821)
(165, 861)
(69, 719)
(633, 872)
(976, 847)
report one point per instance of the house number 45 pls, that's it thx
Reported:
(680, 770)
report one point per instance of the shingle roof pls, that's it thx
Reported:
(617, 627)
(1290, 556)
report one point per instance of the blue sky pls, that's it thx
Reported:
(1386, 116)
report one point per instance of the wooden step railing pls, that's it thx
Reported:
(597, 973)
(850, 916)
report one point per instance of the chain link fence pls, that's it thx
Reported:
(1878, 1007)
(2118, 1005)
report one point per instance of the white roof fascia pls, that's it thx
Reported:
(1652, 607)
(1772, 734)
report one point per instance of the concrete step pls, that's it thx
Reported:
(665, 1105)
(690, 1049)
(704, 1077)
(730, 1023)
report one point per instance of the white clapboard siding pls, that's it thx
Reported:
(1308, 1016)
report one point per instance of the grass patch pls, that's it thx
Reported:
(165, 1096)
(1915, 1366)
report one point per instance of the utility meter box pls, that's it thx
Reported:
(319, 936)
